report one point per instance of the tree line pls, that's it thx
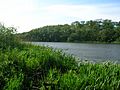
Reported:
(78, 31)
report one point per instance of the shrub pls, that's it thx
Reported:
(7, 37)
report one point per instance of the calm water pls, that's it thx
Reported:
(94, 52)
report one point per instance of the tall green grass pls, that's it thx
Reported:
(88, 76)
(34, 62)
(42, 68)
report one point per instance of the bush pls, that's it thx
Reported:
(7, 37)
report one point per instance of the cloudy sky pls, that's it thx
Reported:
(28, 14)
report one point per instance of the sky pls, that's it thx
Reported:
(26, 15)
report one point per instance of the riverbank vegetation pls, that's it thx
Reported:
(102, 31)
(29, 67)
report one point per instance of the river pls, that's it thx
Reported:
(84, 51)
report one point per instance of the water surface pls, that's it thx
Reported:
(94, 52)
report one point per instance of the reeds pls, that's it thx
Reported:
(29, 67)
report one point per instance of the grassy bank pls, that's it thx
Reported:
(29, 67)
(25, 67)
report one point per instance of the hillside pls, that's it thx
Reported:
(91, 31)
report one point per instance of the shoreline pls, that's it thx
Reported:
(84, 42)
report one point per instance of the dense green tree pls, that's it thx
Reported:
(107, 25)
(106, 36)
(78, 31)
(7, 37)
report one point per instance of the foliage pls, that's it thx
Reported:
(40, 68)
(28, 65)
(96, 31)
(7, 37)
(104, 76)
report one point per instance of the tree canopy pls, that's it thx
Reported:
(79, 31)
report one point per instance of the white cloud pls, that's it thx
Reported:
(28, 14)
(79, 11)
(18, 13)
(86, 12)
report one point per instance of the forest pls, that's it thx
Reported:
(99, 30)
